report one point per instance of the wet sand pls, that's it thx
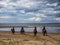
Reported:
(7, 38)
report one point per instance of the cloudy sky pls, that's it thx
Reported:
(29, 11)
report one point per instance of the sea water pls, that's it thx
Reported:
(39, 29)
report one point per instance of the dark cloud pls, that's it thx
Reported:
(31, 10)
(1, 0)
(57, 8)
(49, 21)
(14, 0)
(57, 15)
(52, 1)
(1, 6)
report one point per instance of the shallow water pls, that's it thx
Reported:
(39, 29)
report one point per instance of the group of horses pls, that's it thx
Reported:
(44, 31)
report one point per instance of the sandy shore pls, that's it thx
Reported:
(7, 38)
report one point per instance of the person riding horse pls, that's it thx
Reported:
(22, 30)
(35, 31)
(44, 32)
(13, 30)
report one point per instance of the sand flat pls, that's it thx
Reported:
(7, 38)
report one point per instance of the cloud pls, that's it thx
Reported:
(22, 11)
(33, 19)
(53, 4)
(5, 17)
(30, 11)
(36, 17)
(57, 8)
(58, 19)
(40, 15)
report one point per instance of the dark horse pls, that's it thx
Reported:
(35, 31)
(44, 32)
(22, 30)
(13, 30)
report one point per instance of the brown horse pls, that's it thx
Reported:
(35, 31)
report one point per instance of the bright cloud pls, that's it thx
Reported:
(40, 15)
(5, 17)
(58, 19)
(53, 4)
(34, 19)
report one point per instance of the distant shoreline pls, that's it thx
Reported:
(28, 24)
